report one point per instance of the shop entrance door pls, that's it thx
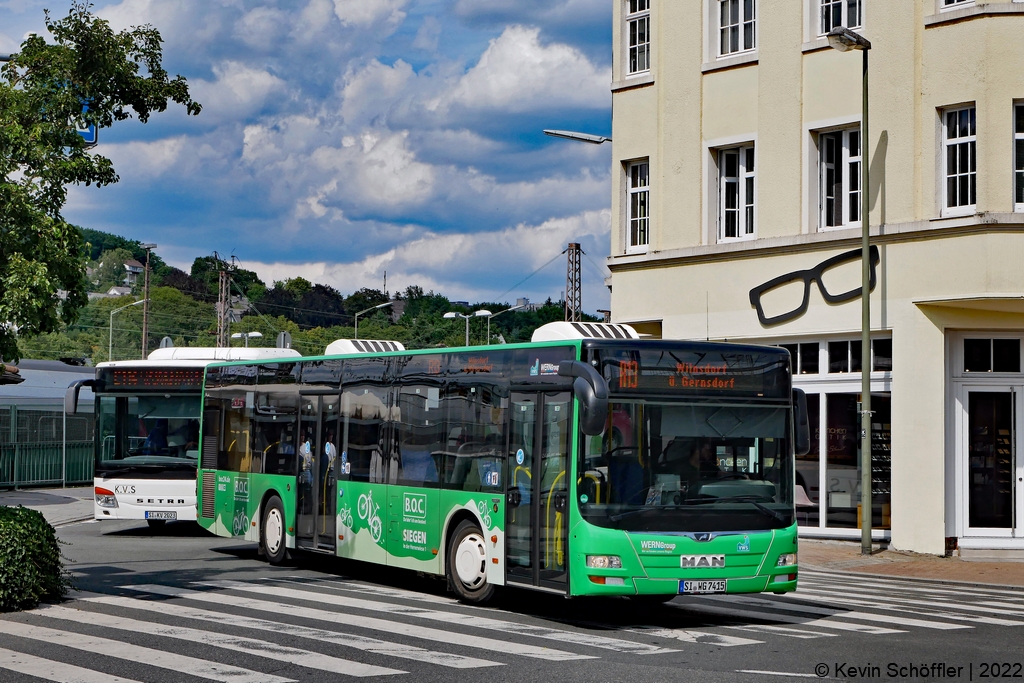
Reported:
(992, 467)
(538, 476)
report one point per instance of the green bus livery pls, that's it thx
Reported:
(594, 465)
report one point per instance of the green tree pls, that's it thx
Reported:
(109, 270)
(85, 75)
(297, 286)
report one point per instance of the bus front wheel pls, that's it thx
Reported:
(466, 564)
(272, 536)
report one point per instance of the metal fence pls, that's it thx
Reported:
(39, 446)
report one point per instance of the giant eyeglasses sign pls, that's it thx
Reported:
(818, 275)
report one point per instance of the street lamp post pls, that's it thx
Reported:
(492, 315)
(145, 297)
(110, 342)
(843, 39)
(372, 308)
(452, 315)
(247, 335)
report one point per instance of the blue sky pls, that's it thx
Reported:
(340, 139)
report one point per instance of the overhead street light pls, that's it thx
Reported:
(372, 308)
(579, 137)
(246, 336)
(492, 315)
(110, 342)
(843, 39)
(451, 315)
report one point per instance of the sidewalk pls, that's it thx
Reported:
(59, 506)
(845, 556)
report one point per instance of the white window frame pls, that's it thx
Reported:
(849, 182)
(962, 142)
(828, 8)
(638, 14)
(1018, 156)
(638, 206)
(746, 16)
(951, 5)
(745, 182)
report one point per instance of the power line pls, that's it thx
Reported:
(557, 256)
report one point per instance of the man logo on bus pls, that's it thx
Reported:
(701, 561)
(415, 505)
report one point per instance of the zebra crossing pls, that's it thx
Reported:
(286, 629)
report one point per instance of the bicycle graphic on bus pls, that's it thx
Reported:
(367, 510)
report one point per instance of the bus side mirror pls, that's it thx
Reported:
(801, 423)
(71, 395)
(591, 390)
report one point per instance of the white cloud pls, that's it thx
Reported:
(366, 12)
(517, 73)
(428, 35)
(473, 266)
(238, 91)
(370, 92)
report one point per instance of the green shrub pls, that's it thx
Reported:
(31, 565)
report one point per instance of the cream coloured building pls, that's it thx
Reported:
(736, 161)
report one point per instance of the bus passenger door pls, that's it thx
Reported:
(537, 501)
(326, 475)
(309, 450)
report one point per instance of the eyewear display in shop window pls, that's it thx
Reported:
(816, 275)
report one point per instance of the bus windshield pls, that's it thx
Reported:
(689, 467)
(151, 431)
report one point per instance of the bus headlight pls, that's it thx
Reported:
(105, 498)
(604, 561)
(786, 560)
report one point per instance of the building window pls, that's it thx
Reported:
(835, 13)
(1018, 158)
(949, 4)
(737, 26)
(840, 172)
(845, 356)
(638, 24)
(991, 355)
(639, 206)
(736, 193)
(805, 357)
(961, 162)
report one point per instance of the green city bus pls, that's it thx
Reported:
(592, 463)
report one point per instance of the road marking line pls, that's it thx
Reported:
(787, 674)
(905, 585)
(827, 622)
(191, 666)
(58, 672)
(784, 631)
(968, 606)
(825, 611)
(700, 637)
(251, 646)
(447, 617)
(827, 597)
(391, 627)
(373, 645)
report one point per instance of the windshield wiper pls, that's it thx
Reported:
(643, 510)
(741, 499)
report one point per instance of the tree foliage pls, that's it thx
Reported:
(87, 75)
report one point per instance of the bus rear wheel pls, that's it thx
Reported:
(466, 564)
(272, 537)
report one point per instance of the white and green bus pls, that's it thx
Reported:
(589, 462)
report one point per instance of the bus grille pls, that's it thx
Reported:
(209, 454)
(209, 494)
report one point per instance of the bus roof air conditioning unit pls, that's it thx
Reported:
(565, 330)
(340, 347)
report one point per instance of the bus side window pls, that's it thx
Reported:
(476, 437)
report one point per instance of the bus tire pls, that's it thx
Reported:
(466, 564)
(272, 534)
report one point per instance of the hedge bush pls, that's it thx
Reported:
(31, 564)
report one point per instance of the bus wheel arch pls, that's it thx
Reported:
(465, 558)
(273, 537)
